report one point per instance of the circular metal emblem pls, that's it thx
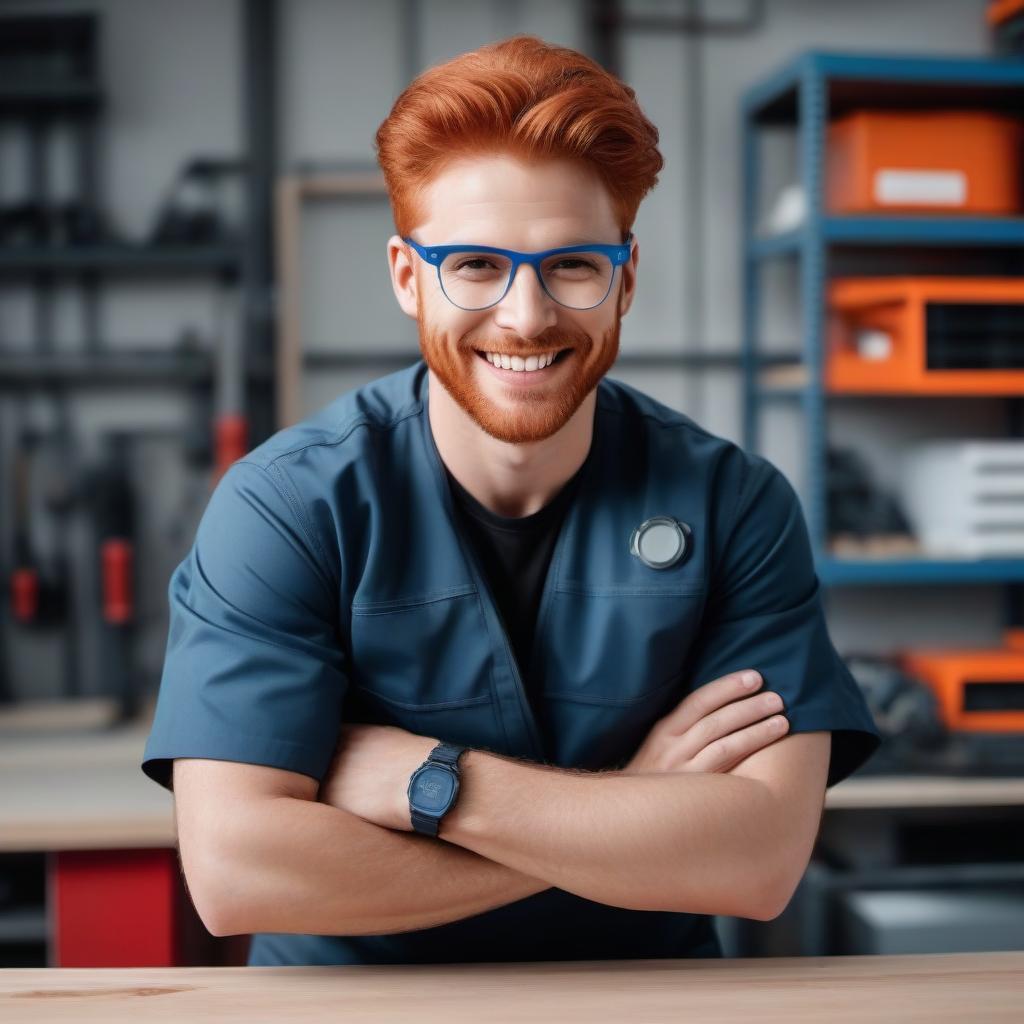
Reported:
(660, 541)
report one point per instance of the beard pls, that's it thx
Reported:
(527, 414)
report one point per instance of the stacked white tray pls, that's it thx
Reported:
(965, 499)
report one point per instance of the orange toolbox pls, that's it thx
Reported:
(925, 335)
(979, 691)
(947, 161)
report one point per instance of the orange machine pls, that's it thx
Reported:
(978, 691)
(946, 161)
(925, 335)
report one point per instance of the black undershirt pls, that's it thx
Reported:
(514, 554)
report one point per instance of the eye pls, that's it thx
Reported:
(577, 261)
(475, 259)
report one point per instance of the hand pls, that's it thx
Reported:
(370, 770)
(711, 730)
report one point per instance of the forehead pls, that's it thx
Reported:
(526, 205)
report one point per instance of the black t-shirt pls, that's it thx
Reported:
(514, 554)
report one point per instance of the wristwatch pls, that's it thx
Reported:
(433, 787)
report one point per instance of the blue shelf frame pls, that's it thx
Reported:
(803, 93)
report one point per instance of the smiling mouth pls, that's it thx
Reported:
(561, 354)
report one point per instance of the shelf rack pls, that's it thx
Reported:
(240, 372)
(805, 94)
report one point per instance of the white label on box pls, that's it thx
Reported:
(947, 187)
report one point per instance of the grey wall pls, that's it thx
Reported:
(172, 73)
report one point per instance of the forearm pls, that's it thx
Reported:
(291, 865)
(690, 842)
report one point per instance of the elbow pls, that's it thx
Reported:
(775, 892)
(207, 898)
(767, 911)
(215, 919)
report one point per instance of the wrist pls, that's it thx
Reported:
(419, 751)
(433, 788)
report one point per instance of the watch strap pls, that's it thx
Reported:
(424, 823)
(446, 753)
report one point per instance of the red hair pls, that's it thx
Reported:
(526, 98)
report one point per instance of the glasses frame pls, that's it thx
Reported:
(436, 254)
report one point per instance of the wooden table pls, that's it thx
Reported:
(961, 987)
(114, 888)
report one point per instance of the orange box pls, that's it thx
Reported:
(928, 161)
(1014, 637)
(1001, 11)
(923, 335)
(966, 684)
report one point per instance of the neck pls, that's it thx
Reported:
(512, 480)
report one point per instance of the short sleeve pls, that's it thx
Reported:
(765, 612)
(254, 669)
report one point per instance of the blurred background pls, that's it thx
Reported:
(830, 275)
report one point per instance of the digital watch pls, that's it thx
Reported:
(433, 788)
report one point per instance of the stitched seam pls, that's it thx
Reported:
(744, 487)
(404, 603)
(438, 706)
(292, 502)
(362, 421)
(695, 428)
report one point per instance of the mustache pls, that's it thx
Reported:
(556, 343)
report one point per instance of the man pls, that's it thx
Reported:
(500, 553)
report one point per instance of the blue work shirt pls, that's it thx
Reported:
(327, 583)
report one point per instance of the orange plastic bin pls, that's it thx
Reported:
(925, 335)
(926, 161)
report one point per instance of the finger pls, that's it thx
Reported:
(740, 713)
(727, 752)
(726, 720)
(709, 697)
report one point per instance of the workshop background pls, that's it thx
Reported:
(192, 255)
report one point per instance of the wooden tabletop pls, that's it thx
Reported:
(70, 781)
(961, 987)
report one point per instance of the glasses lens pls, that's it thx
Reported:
(578, 279)
(474, 280)
(477, 280)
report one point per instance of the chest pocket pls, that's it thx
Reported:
(424, 664)
(618, 666)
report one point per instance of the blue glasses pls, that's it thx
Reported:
(474, 277)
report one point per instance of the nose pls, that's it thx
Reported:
(526, 308)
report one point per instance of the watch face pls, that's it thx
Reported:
(432, 789)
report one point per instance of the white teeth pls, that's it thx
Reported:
(519, 363)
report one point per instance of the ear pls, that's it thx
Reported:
(403, 274)
(628, 289)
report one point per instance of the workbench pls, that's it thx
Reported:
(974, 987)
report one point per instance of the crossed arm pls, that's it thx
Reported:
(694, 843)
(735, 843)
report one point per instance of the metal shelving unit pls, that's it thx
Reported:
(245, 263)
(239, 369)
(804, 94)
